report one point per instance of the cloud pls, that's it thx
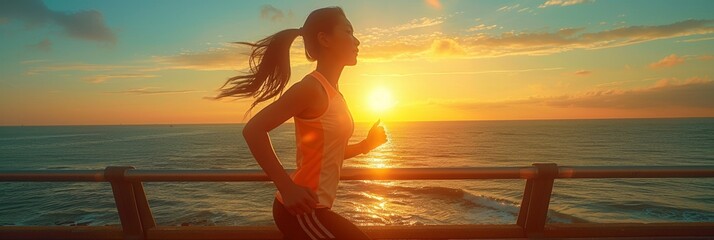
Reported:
(147, 91)
(273, 14)
(563, 3)
(104, 78)
(668, 61)
(698, 39)
(85, 25)
(705, 57)
(44, 45)
(525, 9)
(461, 73)
(229, 56)
(388, 46)
(74, 67)
(574, 38)
(226, 58)
(378, 34)
(419, 23)
(508, 8)
(446, 47)
(691, 93)
(482, 27)
(582, 73)
(88, 25)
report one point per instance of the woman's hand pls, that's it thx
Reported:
(299, 200)
(375, 137)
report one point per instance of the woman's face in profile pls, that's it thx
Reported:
(343, 44)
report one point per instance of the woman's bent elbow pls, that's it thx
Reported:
(249, 131)
(246, 131)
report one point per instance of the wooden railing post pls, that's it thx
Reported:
(142, 204)
(536, 197)
(132, 206)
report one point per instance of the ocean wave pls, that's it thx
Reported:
(455, 196)
(649, 210)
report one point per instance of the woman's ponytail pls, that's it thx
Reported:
(269, 69)
(270, 59)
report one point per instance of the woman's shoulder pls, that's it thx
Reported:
(309, 81)
(308, 87)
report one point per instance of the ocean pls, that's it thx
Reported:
(610, 142)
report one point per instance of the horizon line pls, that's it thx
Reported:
(397, 121)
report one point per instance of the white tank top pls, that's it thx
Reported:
(321, 144)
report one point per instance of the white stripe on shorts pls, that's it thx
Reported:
(304, 229)
(323, 228)
(312, 226)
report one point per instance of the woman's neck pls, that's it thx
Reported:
(330, 71)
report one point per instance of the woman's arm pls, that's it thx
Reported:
(375, 137)
(297, 199)
(353, 150)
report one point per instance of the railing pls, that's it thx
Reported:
(137, 221)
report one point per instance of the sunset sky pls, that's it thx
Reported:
(147, 62)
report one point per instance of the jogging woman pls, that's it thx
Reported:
(323, 123)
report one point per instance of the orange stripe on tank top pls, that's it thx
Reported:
(309, 172)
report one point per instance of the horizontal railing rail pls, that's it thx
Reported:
(137, 221)
(365, 174)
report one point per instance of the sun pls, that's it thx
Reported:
(380, 100)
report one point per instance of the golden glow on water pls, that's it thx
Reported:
(375, 208)
(378, 163)
(380, 157)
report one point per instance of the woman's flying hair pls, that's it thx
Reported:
(269, 60)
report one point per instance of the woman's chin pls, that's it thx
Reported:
(352, 62)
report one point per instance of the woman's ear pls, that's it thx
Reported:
(323, 39)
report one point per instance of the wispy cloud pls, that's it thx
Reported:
(694, 92)
(148, 91)
(104, 78)
(619, 83)
(269, 12)
(482, 27)
(446, 47)
(508, 8)
(85, 24)
(73, 67)
(227, 57)
(668, 61)
(705, 57)
(477, 45)
(583, 73)
(697, 39)
(550, 3)
(462, 73)
(44, 45)
(420, 23)
(378, 34)
(691, 93)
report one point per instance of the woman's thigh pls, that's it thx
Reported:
(322, 223)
